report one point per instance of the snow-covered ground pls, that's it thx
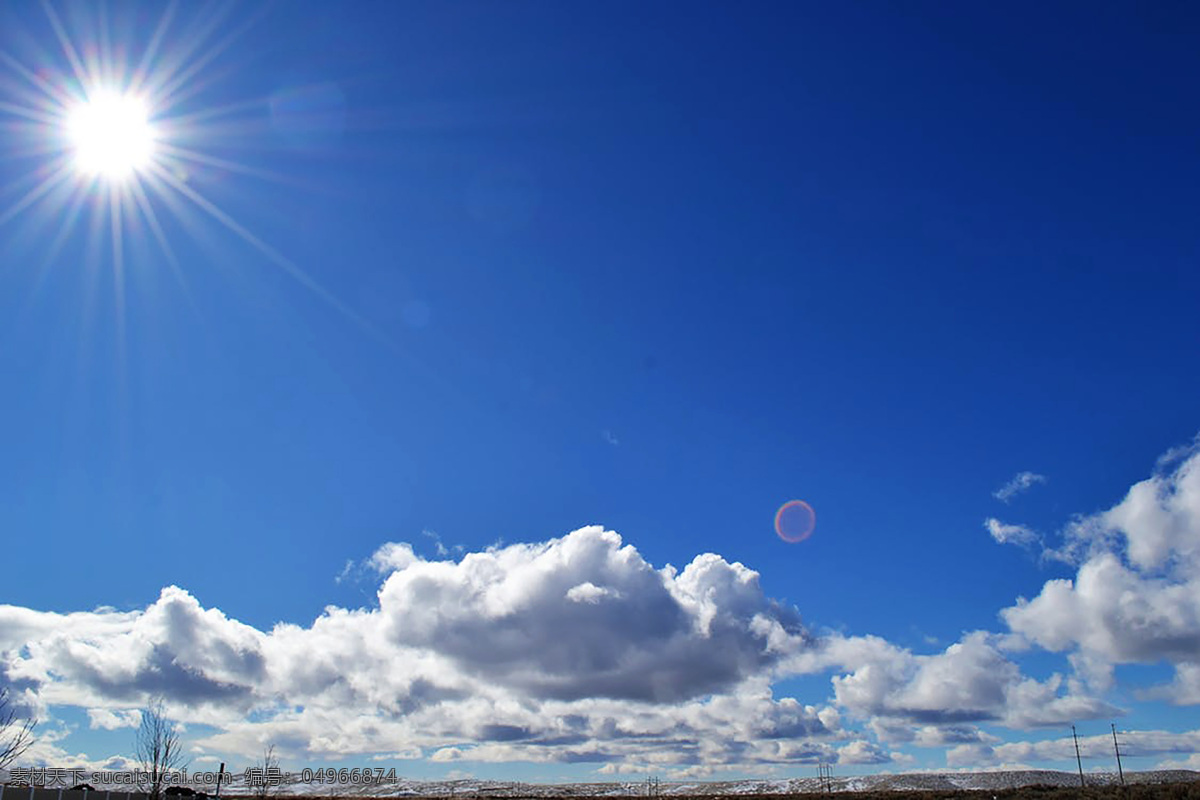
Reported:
(908, 781)
(467, 788)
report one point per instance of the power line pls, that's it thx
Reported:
(1078, 760)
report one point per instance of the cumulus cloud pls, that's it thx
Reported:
(972, 681)
(658, 636)
(1184, 690)
(1020, 483)
(971, 755)
(103, 658)
(1009, 534)
(1136, 594)
(860, 751)
(574, 649)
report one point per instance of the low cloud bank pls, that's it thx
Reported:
(578, 650)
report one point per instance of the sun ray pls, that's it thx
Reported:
(116, 235)
(188, 90)
(196, 157)
(66, 226)
(58, 97)
(67, 223)
(138, 77)
(114, 209)
(143, 202)
(176, 70)
(30, 114)
(59, 175)
(277, 258)
(64, 41)
(193, 118)
(106, 66)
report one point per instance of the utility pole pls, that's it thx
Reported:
(1078, 761)
(1117, 750)
(220, 777)
(825, 771)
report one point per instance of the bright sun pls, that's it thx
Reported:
(111, 135)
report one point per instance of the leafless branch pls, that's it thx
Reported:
(16, 734)
(158, 749)
(268, 786)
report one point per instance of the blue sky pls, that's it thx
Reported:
(525, 285)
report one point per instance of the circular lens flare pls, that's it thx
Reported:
(111, 135)
(794, 521)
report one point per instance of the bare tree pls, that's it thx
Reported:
(16, 735)
(158, 749)
(266, 775)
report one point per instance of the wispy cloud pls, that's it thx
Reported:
(114, 719)
(610, 438)
(1020, 483)
(442, 550)
(1005, 533)
(1176, 454)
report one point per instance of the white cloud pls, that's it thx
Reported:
(588, 592)
(972, 681)
(438, 546)
(578, 650)
(971, 755)
(114, 719)
(860, 751)
(574, 649)
(1191, 762)
(1009, 534)
(945, 735)
(1100, 746)
(1184, 690)
(105, 658)
(1136, 594)
(393, 556)
(659, 636)
(1160, 518)
(1113, 612)
(1020, 483)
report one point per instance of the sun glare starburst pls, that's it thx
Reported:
(111, 135)
(118, 140)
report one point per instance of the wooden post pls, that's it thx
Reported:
(1117, 750)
